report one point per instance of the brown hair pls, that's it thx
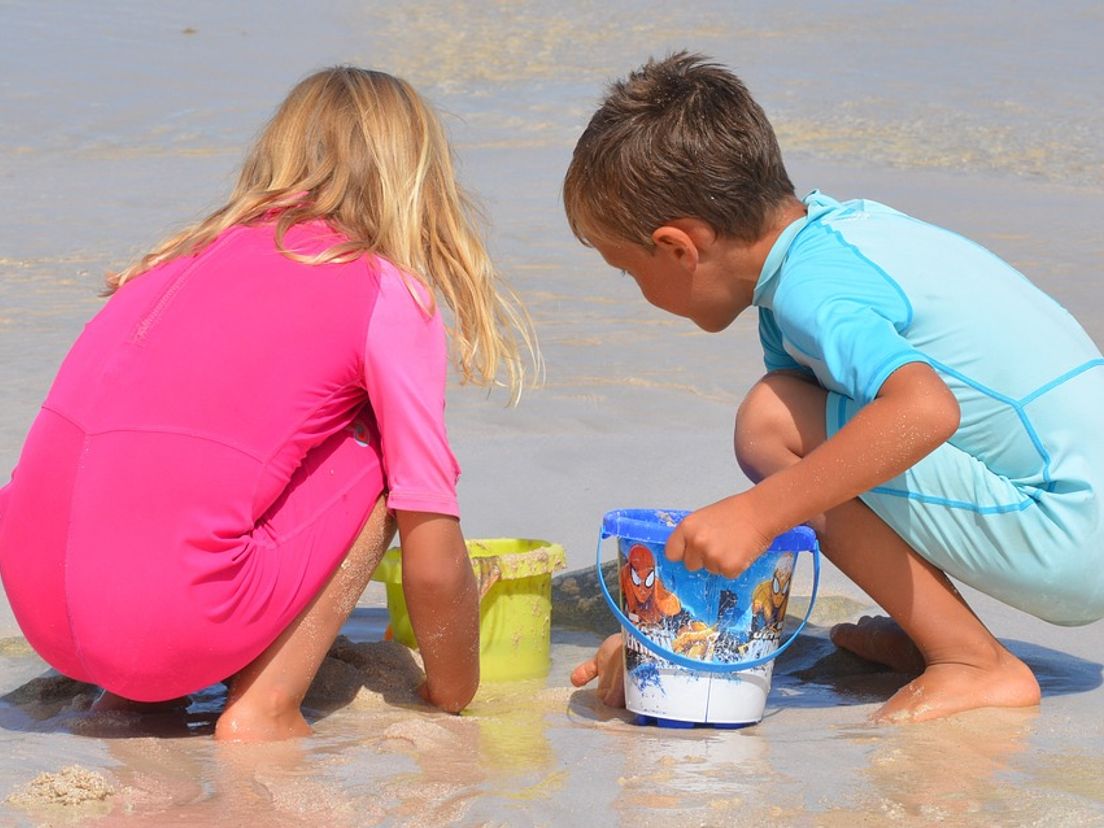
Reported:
(363, 151)
(678, 138)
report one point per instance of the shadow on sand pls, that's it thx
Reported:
(813, 672)
(52, 703)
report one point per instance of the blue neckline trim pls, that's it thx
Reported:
(816, 205)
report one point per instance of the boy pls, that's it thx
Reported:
(925, 408)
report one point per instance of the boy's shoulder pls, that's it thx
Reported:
(852, 216)
(857, 233)
(834, 258)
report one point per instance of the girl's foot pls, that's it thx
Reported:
(946, 688)
(881, 640)
(242, 723)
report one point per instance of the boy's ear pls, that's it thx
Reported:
(683, 240)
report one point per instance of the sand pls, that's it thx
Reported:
(542, 749)
(366, 675)
(123, 121)
(71, 786)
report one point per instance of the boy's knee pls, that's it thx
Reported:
(758, 438)
(768, 426)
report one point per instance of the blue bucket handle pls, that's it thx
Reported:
(694, 664)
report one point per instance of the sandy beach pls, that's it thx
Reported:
(124, 120)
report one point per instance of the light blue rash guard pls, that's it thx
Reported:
(853, 291)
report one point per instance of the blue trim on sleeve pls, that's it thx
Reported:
(878, 269)
(1041, 476)
(884, 353)
(889, 366)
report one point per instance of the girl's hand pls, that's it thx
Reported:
(608, 666)
(724, 538)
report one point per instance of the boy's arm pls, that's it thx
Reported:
(443, 601)
(913, 414)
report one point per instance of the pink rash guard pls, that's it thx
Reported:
(210, 448)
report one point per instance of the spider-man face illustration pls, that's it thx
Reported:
(642, 575)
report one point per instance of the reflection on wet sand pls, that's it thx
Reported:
(952, 769)
(364, 700)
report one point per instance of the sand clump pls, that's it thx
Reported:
(367, 675)
(72, 787)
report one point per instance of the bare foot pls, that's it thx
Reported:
(947, 688)
(241, 723)
(244, 722)
(880, 639)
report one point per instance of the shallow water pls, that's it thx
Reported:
(122, 120)
(539, 752)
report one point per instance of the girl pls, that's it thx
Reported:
(211, 479)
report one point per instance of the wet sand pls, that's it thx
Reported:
(123, 121)
(539, 752)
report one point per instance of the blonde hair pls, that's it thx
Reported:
(361, 150)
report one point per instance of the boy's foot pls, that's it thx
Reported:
(241, 723)
(881, 640)
(948, 688)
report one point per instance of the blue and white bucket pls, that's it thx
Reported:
(699, 648)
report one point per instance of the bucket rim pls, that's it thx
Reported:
(521, 561)
(649, 525)
(656, 525)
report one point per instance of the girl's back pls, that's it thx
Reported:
(238, 352)
(239, 355)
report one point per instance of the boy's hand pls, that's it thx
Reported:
(724, 538)
(608, 666)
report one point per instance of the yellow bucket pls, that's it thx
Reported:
(515, 611)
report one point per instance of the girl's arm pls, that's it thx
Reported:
(443, 601)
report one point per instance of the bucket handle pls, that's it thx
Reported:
(694, 664)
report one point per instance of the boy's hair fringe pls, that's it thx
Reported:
(362, 151)
(680, 137)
